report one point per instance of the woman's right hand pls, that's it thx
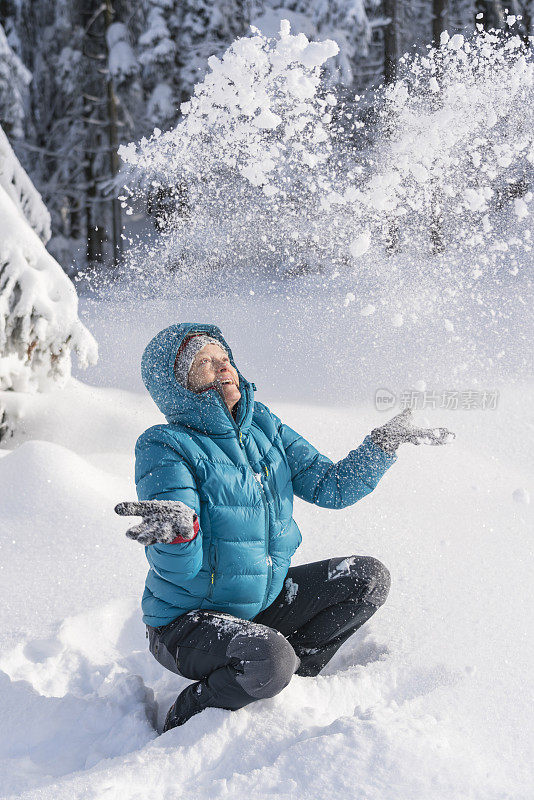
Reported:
(165, 521)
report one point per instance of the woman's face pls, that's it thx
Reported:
(210, 366)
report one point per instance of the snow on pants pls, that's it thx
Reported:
(236, 661)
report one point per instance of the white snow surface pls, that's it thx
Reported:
(431, 699)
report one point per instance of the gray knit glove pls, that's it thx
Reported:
(163, 521)
(400, 429)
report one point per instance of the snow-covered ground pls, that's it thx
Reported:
(431, 699)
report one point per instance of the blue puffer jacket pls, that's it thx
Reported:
(239, 476)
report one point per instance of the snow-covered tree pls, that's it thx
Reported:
(466, 14)
(205, 28)
(157, 57)
(39, 325)
(22, 193)
(122, 62)
(52, 150)
(176, 39)
(14, 80)
(83, 89)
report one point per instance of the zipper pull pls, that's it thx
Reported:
(266, 471)
(212, 576)
(241, 439)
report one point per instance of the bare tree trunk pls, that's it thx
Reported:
(440, 14)
(95, 234)
(392, 236)
(493, 13)
(436, 222)
(75, 224)
(392, 39)
(5, 10)
(113, 137)
(440, 19)
(527, 28)
(5, 430)
(392, 54)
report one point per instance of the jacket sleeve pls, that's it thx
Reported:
(317, 479)
(161, 473)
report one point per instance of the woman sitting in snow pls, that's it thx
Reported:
(221, 604)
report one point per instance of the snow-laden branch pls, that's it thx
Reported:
(39, 325)
(21, 190)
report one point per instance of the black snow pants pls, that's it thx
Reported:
(235, 661)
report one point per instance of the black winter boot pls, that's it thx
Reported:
(187, 704)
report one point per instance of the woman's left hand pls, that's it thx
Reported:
(400, 429)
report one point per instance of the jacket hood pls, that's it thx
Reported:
(205, 412)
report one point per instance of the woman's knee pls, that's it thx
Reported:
(267, 663)
(160, 651)
(377, 581)
(369, 577)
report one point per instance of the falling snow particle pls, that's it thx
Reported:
(520, 208)
(456, 42)
(291, 590)
(521, 496)
(360, 245)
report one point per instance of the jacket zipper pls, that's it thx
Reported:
(257, 476)
(213, 570)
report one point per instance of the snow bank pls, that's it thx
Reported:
(111, 725)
